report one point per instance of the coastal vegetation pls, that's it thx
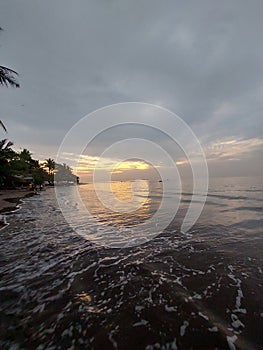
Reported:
(18, 169)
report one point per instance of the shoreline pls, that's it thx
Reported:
(9, 201)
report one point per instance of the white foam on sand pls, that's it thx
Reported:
(183, 328)
(231, 342)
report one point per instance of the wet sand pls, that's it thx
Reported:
(9, 199)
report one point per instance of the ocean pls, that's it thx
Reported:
(201, 289)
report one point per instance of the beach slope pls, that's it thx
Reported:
(10, 198)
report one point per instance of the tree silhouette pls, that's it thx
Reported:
(7, 78)
(50, 164)
(3, 126)
(6, 155)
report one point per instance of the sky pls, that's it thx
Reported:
(202, 60)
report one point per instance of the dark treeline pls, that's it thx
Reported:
(20, 169)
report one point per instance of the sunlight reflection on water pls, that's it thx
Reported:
(65, 290)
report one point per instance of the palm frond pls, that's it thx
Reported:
(5, 144)
(7, 77)
(3, 126)
(9, 144)
(2, 142)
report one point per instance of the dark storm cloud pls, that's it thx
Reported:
(202, 60)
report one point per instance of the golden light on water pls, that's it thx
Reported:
(124, 191)
(86, 298)
(133, 197)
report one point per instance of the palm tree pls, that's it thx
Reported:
(6, 145)
(3, 126)
(6, 155)
(6, 152)
(7, 78)
(25, 155)
(50, 164)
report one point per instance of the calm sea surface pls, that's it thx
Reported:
(199, 290)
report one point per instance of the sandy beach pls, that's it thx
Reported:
(9, 199)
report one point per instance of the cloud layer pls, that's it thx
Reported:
(202, 60)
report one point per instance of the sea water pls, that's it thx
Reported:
(196, 290)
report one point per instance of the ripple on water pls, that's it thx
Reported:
(59, 291)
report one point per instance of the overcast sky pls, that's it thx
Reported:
(203, 60)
